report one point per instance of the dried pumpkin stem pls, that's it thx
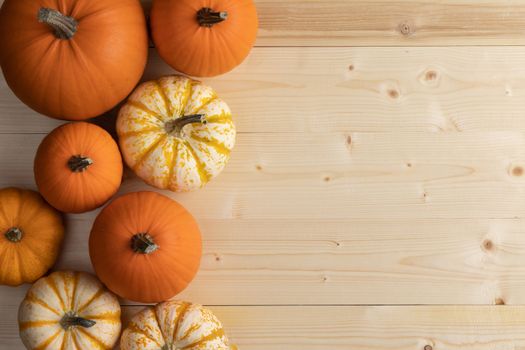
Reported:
(70, 319)
(207, 17)
(14, 234)
(175, 126)
(65, 26)
(143, 243)
(79, 163)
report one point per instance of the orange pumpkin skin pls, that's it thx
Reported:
(31, 235)
(145, 247)
(78, 167)
(207, 43)
(80, 77)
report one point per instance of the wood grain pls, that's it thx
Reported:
(343, 176)
(386, 22)
(311, 90)
(347, 327)
(314, 262)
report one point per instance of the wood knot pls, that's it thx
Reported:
(487, 245)
(405, 28)
(409, 165)
(325, 278)
(258, 167)
(327, 179)
(517, 171)
(430, 75)
(351, 67)
(499, 301)
(428, 347)
(217, 258)
(393, 93)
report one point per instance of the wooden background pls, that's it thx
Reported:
(376, 197)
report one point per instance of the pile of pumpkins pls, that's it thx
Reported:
(77, 59)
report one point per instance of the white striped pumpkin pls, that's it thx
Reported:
(174, 325)
(175, 133)
(69, 311)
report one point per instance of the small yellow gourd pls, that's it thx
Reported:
(175, 325)
(69, 311)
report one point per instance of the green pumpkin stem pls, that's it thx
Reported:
(143, 243)
(78, 164)
(175, 126)
(70, 319)
(65, 26)
(207, 17)
(14, 234)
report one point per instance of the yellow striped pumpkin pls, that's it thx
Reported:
(175, 325)
(175, 133)
(69, 311)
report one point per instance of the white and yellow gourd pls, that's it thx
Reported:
(175, 325)
(69, 311)
(175, 133)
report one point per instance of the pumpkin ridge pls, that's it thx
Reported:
(31, 298)
(133, 327)
(143, 108)
(214, 143)
(173, 164)
(93, 339)
(104, 317)
(188, 92)
(31, 324)
(51, 283)
(216, 333)
(97, 294)
(48, 341)
(75, 340)
(74, 292)
(185, 306)
(164, 98)
(219, 119)
(205, 103)
(138, 132)
(148, 152)
(203, 174)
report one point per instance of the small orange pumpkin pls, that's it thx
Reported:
(78, 167)
(203, 38)
(72, 59)
(145, 247)
(32, 232)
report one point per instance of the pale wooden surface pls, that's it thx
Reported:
(374, 170)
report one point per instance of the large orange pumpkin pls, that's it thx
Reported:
(203, 37)
(145, 247)
(72, 59)
(31, 232)
(78, 167)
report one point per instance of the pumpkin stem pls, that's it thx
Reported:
(70, 319)
(143, 243)
(175, 126)
(79, 163)
(14, 234)
(65, 27)
(207, 17)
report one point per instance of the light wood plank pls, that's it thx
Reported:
(387, 22)
(292, 90)
(279, 262)
(347, 327)
(342, 176)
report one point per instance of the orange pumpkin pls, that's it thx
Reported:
(203, 38)
(31, 232)
(72, 59)
(78, 167)
(145, 247)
